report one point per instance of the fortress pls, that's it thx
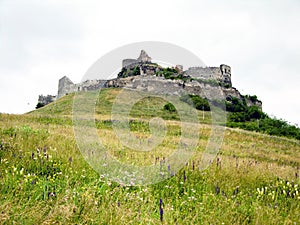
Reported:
(142, 74)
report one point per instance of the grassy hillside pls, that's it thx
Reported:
(45, 180)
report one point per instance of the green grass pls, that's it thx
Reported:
(45, 180)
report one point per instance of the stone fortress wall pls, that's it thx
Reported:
(221, 73)
(143, 58)
(128, 62)
(66, 86)
(203, 78)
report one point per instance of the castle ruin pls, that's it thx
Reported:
(141, 73)
(221, 73)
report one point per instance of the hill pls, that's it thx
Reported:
(239, 114)
(45, 179)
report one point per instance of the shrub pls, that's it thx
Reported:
(234, 104)
(169, 107)
(196, 101)
(253, 98)
(167, 73)
(254, 112)
(39, 105)
(272, 126)
(136, 71)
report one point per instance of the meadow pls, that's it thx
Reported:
(44, 178)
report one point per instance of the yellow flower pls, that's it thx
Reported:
(21, 171)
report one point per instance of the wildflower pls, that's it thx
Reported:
(21, 171)
(191, 198)
(161, 211)
(217, 190)
(236, 191)
(184, 176)
(224, 194)
(218, 162)
(156, 160)
(259, 191)
(70, 160)
(51, 194)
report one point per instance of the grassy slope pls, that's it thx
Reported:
(44, 179)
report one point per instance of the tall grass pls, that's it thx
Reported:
(45, 180)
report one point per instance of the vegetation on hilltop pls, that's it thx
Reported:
(252, 118)
(239, 115)
(247, 117)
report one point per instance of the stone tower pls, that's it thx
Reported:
(64, 86)
(226, 74)
(144, 57)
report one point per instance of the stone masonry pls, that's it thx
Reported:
(142, 75)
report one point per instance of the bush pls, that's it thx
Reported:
(266, 125)
(167, 73)
(235, 105)
(196, 101)
(253, 98)
(254, 112)
(39, 105)
(169, 107)
(136, 71)
(249, 114)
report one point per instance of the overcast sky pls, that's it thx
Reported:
(41, 41)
